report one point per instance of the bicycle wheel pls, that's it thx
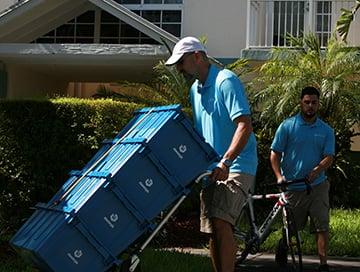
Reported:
(293, 242)
(245, 238)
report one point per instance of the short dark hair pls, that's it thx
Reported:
(310, 91)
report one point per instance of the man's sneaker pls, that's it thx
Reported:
(281, 253)
(323, 268)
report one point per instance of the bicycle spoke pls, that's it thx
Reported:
(293, 243)
(244, 237)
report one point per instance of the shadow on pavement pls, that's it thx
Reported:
(266, 262)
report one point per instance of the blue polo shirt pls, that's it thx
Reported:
(303, 146)
(215, 106)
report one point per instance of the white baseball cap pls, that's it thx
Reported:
(185, 45)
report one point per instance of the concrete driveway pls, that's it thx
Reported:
(266, 263)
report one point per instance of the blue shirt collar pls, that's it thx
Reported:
(303, 123)
(213, 70)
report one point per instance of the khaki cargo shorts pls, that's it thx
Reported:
(224, 199)
(315, 205)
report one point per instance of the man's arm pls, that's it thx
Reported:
(239, 140)
(275, 158)
(328, 158)
(324, 164)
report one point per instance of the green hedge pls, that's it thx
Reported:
(41, 141)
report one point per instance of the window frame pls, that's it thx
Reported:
(322, 33)
(98, 24)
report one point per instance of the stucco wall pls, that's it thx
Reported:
(86, 89)
(24, 83)
(355, 145)
(354, 37)
(6, 3)
(222, 22)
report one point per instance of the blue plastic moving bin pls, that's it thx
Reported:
(104, 208)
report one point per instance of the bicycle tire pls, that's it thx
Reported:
(292, 237)
(244, 237)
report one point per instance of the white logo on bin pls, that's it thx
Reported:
(180, 150)
(76, 255)
(146, 185)
(113, 219)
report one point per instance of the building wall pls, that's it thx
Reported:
(24, 83)
(223, 23)
(355, 145)
(86, 89)
(354, 37)
(6, 3)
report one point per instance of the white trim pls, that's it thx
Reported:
(248, 24)
(78, 53)
(311, 26)
(155, 7)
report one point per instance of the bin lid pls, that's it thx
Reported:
(148, 121)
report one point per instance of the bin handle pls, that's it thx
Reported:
(203, 175)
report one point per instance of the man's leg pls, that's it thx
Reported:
(322, 240)
(224, 246)
(320, 218)
(220, 206)
(214, 254)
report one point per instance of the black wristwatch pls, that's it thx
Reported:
(226, 162)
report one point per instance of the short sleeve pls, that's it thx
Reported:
(234, 97)
(330, 143)
(280, 139)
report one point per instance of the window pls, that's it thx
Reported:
(166, 14)
(112, 30)
(323, 21)
(78, 30)
(288, 19)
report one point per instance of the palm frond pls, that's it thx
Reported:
(345, 19)
(331, 70)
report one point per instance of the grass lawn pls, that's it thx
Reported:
(151, 260)
(344, 235)
(344, 241)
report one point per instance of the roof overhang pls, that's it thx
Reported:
(31, 19)
(86, 62)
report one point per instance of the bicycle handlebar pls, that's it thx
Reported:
(282, 185)
(285, 184)
(203, 175)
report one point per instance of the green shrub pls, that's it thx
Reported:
(41, 141)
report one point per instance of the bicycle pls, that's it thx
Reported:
(250, 236)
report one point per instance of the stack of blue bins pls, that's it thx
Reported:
(103, 209)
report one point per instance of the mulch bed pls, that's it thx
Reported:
(181, 231)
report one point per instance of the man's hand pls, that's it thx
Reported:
(220, 172)
(324, 164)
(312, 176)
(280, 179)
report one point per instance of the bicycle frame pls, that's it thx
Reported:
(255, 236)
(251, 236)
(262, 232)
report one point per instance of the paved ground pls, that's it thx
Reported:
(266, 263)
